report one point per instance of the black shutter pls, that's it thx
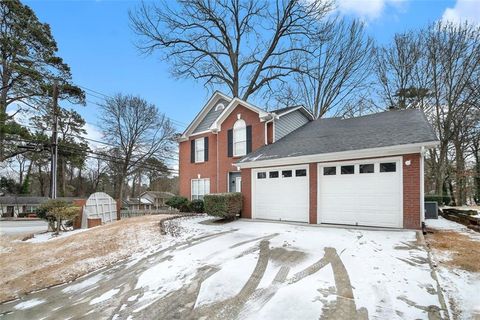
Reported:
(206, 148)
(230, 142)
(192, 151)
(249, 139)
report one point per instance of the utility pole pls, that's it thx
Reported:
(54, 146)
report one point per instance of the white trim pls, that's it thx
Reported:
(219, 106)
(199, 179)
(342, 155)
(242, 126)
(199, 117)
(253, 178)
(196, 150)
(398, 160)
(217, 124)
(308, 113)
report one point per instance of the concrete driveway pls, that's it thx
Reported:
(253, 270)
(22, 227)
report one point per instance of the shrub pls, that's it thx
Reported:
(56, 211)
(186, 207)
(441, 200)
(177, 202)
(225, 205)
(197, 206)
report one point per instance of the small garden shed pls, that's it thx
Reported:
(99, 206)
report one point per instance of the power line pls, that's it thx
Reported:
(101, 155)
(100, 95)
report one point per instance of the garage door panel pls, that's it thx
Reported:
(282, 198)
(372, 199)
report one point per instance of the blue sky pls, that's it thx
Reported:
(94, 38)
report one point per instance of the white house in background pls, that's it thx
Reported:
(157, 199)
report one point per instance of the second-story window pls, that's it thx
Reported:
(239, 138)
(200, 150)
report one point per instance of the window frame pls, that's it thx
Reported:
(387, 163)
(270, 174)
(197, 150)
(347, 165)
(286, 171)
(366, 164)
(239, 128)
(263, 173)
(300, 170)
(329, 174)
(206, 188)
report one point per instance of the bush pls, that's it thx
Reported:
(441, 200)
(186, 207)
(197, 206)
(177, 202)
(225, 205)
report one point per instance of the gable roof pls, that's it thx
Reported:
(284, 111)
(211, 103)
(331, 135)
(209, 119)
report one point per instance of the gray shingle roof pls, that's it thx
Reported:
(330, 135)
(22, 200)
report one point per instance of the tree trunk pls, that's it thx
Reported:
(460, 181)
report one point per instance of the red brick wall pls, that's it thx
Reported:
(313, 192)
(218, 176)
(270, 132)
(411, 192)
(189, 171)
(247, 193)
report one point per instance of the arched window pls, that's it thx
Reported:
(220, 106)
(239, 138)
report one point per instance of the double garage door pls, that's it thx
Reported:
(367, 193)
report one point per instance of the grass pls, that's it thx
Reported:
(27, 267)
(463, 251)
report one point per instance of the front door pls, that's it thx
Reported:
(234, 182)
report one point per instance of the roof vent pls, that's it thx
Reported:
(220, 106)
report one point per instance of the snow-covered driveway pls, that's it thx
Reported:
(254, 270)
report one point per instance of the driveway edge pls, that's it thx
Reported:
(433, 267)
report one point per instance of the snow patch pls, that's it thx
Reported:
(48, 236)
(29, 304)
(104, 297)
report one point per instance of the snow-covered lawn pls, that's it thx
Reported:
(256, 270)
(456, 252)
(44, 260)
(49, 236)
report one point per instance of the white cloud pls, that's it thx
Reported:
(368, 9)
(95, 134)
(463, 10)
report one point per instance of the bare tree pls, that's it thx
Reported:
(244, 46)
(438, 71)
(137, 130)
(333, 76)
(399, 68)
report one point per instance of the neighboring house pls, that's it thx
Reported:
(366, 171)
(156, 198)
(19, 206)
(149, 200)
(13, 206)
(135, 204)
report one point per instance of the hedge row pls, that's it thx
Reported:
(224, 205)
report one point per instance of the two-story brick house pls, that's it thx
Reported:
(224, 131)
(366, 170)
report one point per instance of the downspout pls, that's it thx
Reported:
(422, 188)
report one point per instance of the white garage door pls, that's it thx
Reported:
(281, 193)
(367, 193)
